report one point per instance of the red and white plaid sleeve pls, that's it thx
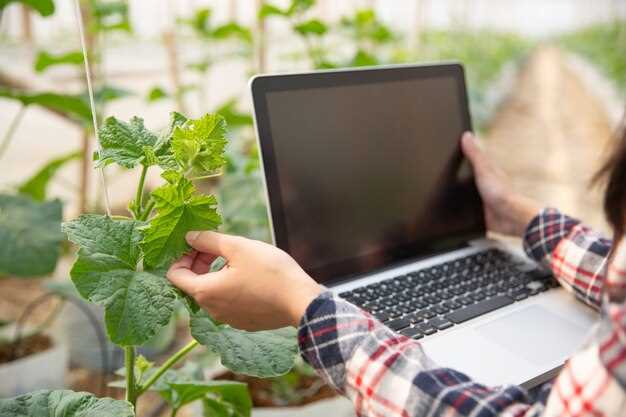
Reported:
(387, 374)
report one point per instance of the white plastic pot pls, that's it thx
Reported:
(42, 370)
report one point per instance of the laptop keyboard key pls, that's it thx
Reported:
(440, 323)
(479, 309)
(412, 332)
(426, 329)
(399, 324)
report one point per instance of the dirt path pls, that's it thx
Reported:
(550, 136)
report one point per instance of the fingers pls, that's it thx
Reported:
(181, 275)
(213, 243)
(473, 152)
(202, 263)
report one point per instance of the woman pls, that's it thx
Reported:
(386, 374)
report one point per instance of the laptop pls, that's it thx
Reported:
(368, 190)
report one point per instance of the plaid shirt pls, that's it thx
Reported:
(387, 374)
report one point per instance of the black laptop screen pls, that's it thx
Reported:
(368, 174)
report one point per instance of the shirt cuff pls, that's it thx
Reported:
(545, 231)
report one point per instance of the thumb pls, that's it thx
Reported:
(472, 150)
(213, 243)
(182, 276)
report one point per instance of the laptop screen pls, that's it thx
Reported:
(370, 173)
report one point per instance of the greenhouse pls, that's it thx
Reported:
(235, 208)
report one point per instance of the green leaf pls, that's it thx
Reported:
(72, 105)
(45, 60)
(35, 187)
(126, 143)
(233, 117)
(43, 7)
(363, 59)
(233, 393)
(111, 16)
(268, 10)
(63, 403)
(155, 94)
(232, 30)
(137, 304)
(179, 210)
(199, 144)
(31, 237)
(108, 93)
(311, 27)
(240, 351)
(299, 6)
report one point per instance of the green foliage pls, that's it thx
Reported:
(63, 403)
(45, 60)
(121, 264)
(180, 208)
(364, 25)
(137, 303)
(232, 116)
(313, 27)
(240, 350)
(130, 144)
(73, 106)
(110, 15)
(295, 7)
(605, 46)
(198, 145)
(35, 187)
(43, 7)
(155, 94)
(30, 232)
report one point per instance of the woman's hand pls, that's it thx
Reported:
(506, 212)
(260, 287)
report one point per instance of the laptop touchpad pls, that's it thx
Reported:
(536, 334)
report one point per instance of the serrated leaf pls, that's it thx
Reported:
(179, 210)
(240, 351)
(199, 144)
(137, 304)
(45, 60)
(126, 143)
(43, 7)
(31, 237)
(311, 27)
(63, 403)
(35, 187)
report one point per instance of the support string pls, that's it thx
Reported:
(79, 18)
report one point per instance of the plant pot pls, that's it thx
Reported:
(45, 369)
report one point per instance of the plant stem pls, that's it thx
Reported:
(167, 365)
(8, 136)
(131, 385)
(174, 412)
(139, 195)
(146, 213)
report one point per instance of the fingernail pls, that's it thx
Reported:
(468, 135)
(191, 236)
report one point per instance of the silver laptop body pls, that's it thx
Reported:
(525, 342)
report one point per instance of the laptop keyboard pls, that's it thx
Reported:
(429, 300)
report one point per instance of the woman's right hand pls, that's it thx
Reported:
(506, 211)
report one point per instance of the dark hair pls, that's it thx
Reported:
(613, 171)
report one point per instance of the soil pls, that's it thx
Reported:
(27, 346)
(261, 390)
